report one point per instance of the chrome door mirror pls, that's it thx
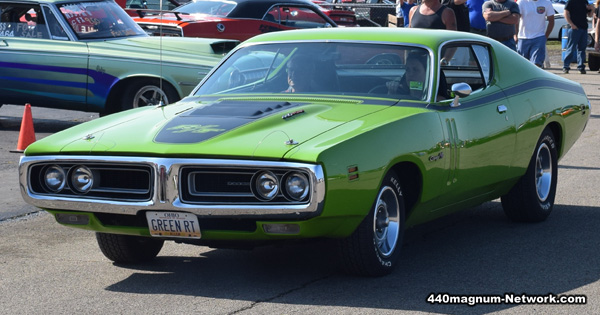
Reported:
(460, 90)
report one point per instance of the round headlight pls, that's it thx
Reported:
(54, 178)
(81, 179)
(266, 185)
(296, 186)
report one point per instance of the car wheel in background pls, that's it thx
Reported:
(148, 92)
(532, 198)
(127, 248)
(374, 247)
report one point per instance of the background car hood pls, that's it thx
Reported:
(260, 128)
(153, 47)
(181, 18)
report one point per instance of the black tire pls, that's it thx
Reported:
(127, 248)
(374, 247)
(147, 92)
(532, 198)
(594, 62)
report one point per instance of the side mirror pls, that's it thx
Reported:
(460, 90)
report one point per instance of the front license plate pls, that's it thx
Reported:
(173, 224)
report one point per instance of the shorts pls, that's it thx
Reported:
(533, 49)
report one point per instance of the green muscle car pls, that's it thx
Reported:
(348, 134)
(91, 56)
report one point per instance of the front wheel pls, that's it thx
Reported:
(532, 198)
(374, 247)
(127, 248)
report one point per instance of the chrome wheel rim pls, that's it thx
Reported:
(543, 172)
(386, 222)
(149, 95)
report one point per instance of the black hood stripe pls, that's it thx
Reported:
(217, 118)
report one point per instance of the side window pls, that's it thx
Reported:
(465, 64)
(483, 56)
(298, 17)
(22, 20)
(56, 30)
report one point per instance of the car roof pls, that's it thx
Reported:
(257, 8)
(426, 37)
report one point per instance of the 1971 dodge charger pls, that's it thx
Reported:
(351, 134)
(91, 56)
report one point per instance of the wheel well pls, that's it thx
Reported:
(556, 130)
(112, 101)
(411, 182)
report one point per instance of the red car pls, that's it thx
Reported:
(237, 19)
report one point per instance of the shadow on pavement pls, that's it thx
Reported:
(476, 252)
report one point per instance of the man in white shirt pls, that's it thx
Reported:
(533, 31)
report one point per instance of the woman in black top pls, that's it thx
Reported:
(433, 15)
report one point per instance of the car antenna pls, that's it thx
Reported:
(161, 102)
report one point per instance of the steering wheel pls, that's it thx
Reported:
(236, 78)
(379, 89)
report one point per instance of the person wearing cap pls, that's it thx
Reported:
(501, 18)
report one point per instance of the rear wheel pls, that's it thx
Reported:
(532, 198)
(127, 248)
(374, 247)
(148, 92)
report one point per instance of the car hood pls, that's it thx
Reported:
(228, 127)
(150, 46)
(180, 19)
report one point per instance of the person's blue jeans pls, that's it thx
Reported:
(533, 49)
(510, 44)
(576, 47)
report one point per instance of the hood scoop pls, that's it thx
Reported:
(209, 121)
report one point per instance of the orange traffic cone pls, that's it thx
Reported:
(27, 134)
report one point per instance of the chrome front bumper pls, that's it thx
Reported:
(166, 194)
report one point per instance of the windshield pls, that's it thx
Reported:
(208, 7)
(99, 20)
(377, 70)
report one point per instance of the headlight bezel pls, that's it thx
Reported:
(256, 185)
(63, 182)
(292, 196)
(79, 170)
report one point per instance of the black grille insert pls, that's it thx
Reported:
(119, 182)
(203, 185)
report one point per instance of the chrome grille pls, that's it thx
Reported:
(115, 182)
(227, 186)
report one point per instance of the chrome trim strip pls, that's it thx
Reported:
(166, 194)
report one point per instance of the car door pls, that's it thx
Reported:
(479, 129)
(40, 64)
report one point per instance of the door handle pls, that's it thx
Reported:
(502, 109)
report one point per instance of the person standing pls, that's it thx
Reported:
(533, 31)
(501, 18)
(476, 16)
(433, 15)
(405, 7)
(461, 12)
(576, 12)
